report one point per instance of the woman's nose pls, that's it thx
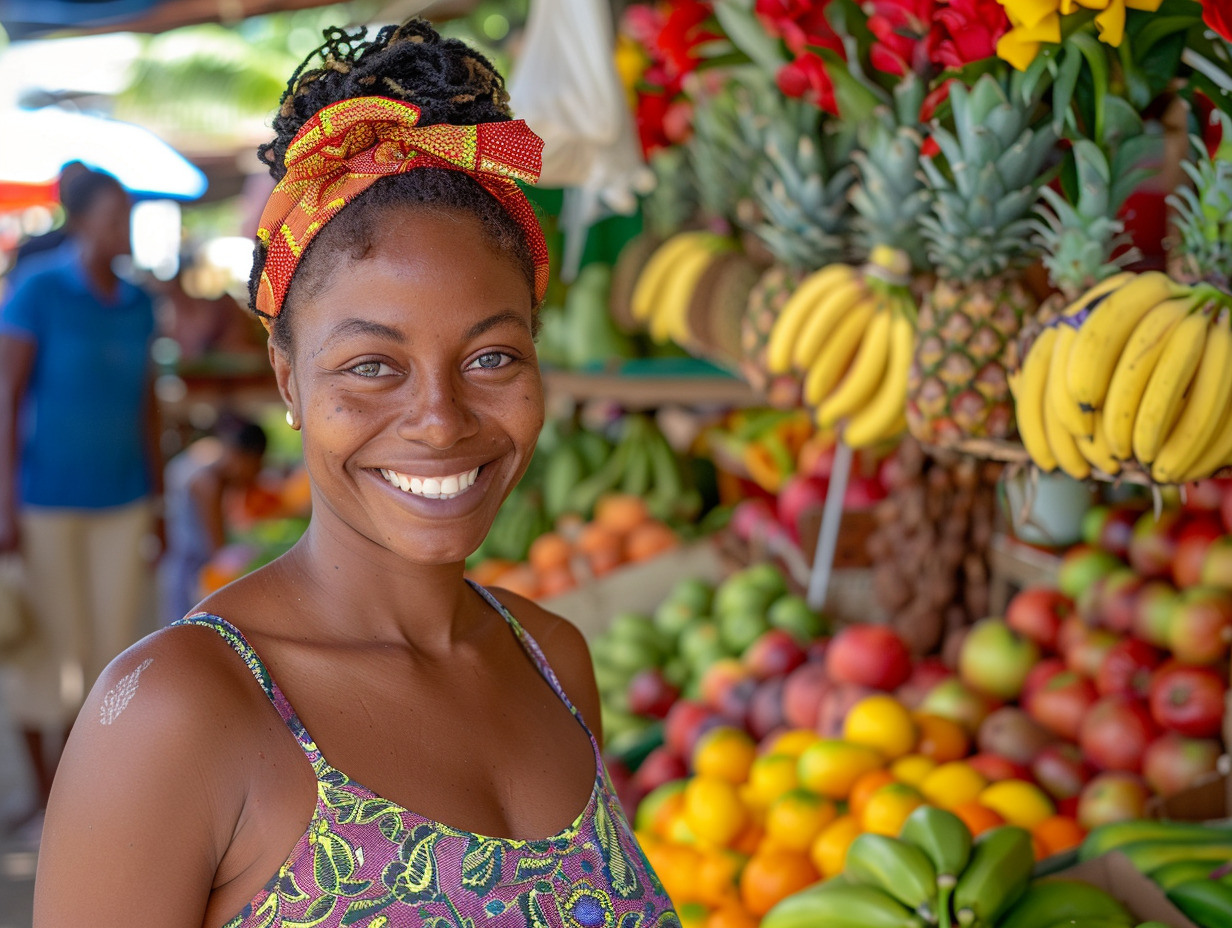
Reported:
(437, 412)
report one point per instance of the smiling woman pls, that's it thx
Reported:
(399, 269)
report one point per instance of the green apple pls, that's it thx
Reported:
(792, 614)
(995, 659)
(739, 628)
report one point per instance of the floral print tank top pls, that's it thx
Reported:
(369, 863)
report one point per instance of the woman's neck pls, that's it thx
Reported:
(99, 270)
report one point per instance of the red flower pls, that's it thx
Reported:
(903, 35)
(1217, 15)
(935, 98)
(801, 24)
(672, 35)
(806, 78)
(967, 30)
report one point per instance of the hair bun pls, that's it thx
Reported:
(448, 80)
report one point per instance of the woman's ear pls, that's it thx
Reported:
(284, 376)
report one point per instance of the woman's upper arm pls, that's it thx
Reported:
(137, 812)
(16, 361)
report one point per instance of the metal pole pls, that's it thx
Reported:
(827, 536)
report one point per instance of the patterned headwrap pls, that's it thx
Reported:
(347, 146)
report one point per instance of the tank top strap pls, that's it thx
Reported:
(537, 657)
(248, 654)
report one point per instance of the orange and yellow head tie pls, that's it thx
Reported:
(347, 146)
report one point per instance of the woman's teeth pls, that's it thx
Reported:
(432, 487)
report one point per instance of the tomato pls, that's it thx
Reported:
(1188, 699)
(1127, 667)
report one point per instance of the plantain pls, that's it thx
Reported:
(999, 870)
(1182, 871)
(946, 841)
(564, 470)
(1151, 854)
(900, 868)
(1204, 902)
(1056, 900)
(841, 905)
(1115, 835)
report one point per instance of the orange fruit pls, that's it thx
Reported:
(864, 786)
(731, 915)
(555, 580)
(676, 866)
(1058, 833)
(773, 875)
(604, 560)
(725, 752)
(621, 512)
(713, 810)
(829, 850)
(941, 739)
(649, 539)
(882, 722)
(796, 818)
(1018, 802)
(952, 784)
(888, 808)
(831, 766)
(489, 570)
(749, 840)
(770, 776)
(793, 741)
(550, 550)
(978, 818)
(594, 537)
(718, 876)
(912, 768)
(522, 580)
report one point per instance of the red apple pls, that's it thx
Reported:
(994, 767)
(1192, 544)
(1061, 703)
(765, 712)
(800, 493)
(835, 704)
(863, 493)
(1153, 612)
(1188, 699)
(661, 765)
(687, 721)
(1081, 566)
(1200, 627)
(1118, 597)
(954, 700)
(1127, 668)
(1153, 545)
(1173, 762)
(1013, 734)
(1225, 505)
(1037, 612)
(719, 678)
(1073, 630)
(1204, 496)
(995, 660)
(775, 653)
(1040, 674)
(733, 703)
(1217, 562)
(1115, 796)
(650, 693)
(1087, 652)
(802, 694)
(927, 673)
(815, 650)
(754, 518)
(871, 655)
(1061, 770)
(1115, 733)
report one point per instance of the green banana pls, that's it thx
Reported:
(1151, 855)
(1053, 900)
(943, 837)
(1000, 869)
(637, 475)
(564, 470)
(841, 905)
(1205, 902)
(593, 448)
(1182, 871)
(901, 869)
(667, 484)
(1105, 838)
(584, 495)
(1086, 923)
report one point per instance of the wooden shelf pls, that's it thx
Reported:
(651, 391)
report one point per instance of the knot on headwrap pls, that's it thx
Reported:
(347, 146)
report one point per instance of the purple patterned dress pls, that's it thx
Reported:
(369, 863)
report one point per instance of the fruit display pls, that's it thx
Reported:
(929, 549)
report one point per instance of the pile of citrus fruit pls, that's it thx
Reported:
(754, 823)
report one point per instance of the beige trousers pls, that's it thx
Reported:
(87, 583)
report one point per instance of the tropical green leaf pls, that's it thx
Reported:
(529, 867)
(414, 877)
(360, 909)
(481, 866)
(621, 873)
(318, 911)
(333, 862)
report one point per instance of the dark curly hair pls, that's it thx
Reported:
(450, 82)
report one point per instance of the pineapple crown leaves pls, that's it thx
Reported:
(1204, 212)
(722, 149)
(889, 196)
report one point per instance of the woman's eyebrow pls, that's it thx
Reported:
(353, 326)
(501, 318)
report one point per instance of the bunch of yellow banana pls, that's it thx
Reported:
(1139, 368)
(665, 285)
(850, 333)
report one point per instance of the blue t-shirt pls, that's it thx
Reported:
(82, 431)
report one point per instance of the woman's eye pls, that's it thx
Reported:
(491, 360)
(370, 369)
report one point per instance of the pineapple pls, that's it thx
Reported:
(982, 188)
(799, 214)
(1204, 215)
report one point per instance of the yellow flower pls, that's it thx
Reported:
(1111, 23)
(1029, 13)
(1021, 44)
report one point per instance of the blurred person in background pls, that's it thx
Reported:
(204, 325)
(78, 466)
(197, 484)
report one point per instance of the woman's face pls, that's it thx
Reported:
(104, 225)
(415, 380)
